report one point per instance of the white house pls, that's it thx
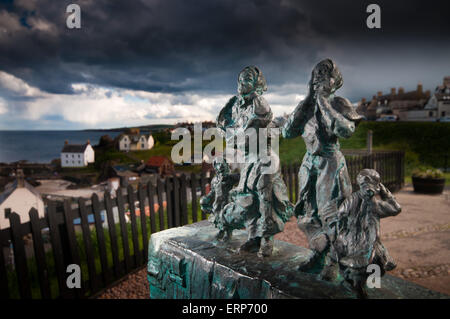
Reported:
(439, 104)
(136, 142)
(20, 197)
(77, 155)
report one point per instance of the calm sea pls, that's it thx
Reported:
(42, 146)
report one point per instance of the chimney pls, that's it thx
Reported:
(20, 178)
(66, 142)
(393, 91)
(447, 81)
(401, 90)
(379, 93)
(363, 100)
(88, 142)
(419, 88)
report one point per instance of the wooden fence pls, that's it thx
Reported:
(390, 165)
(111, 239)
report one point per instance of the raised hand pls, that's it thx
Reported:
(384, 192)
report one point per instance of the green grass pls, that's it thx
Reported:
(425, 144)
(160, 150)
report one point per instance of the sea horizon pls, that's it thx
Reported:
(43, 146)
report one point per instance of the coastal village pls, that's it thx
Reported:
(138, 161)
(139, 155)
(224, 150)
(417, 105)
(134, 157)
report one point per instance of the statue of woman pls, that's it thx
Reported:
(321, 119)
(259, 202)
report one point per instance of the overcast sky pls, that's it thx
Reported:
(162, 61)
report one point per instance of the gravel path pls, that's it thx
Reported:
(135, 286)
(418, 239)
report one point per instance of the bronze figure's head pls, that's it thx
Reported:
(369, 182)
(327, 75)
(251, 80)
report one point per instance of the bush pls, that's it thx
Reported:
(429, 140)
(428, 173)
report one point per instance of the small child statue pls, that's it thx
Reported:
(214, 202)
(355, 230)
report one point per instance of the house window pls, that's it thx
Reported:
(79, 156)
(79, 162)
(67, 162)
(443, 113)
(125, 145)
(142, 145)
(67, 155)
(430, 113)
(72, 155)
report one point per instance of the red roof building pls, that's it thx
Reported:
(161, 165)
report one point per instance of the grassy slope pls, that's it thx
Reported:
(425, 144)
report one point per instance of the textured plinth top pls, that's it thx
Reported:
(187, 262)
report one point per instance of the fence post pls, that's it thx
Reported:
(141, 195)
(151, 204)
(72, 241)
(369, 141)
(169, 202)
(58, 251)
(176, 201)
(124, 230)
(183, 200)
(194, 197)
(161, 203)
(112, 235)
(134, 232)
(89, 249)
(100, 238)
(4, 291)
(39, 253)
(20, 258)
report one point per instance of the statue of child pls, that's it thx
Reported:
(355, 230)
(214, 202)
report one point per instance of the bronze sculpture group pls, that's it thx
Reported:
(342, 227)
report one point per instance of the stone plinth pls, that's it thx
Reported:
(187, 262)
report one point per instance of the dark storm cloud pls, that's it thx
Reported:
(179, 45)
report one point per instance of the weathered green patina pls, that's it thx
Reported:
(188, 262)
(259, 202)
(342, 227)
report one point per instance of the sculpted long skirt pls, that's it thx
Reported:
(323, 184)
(260, 202)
